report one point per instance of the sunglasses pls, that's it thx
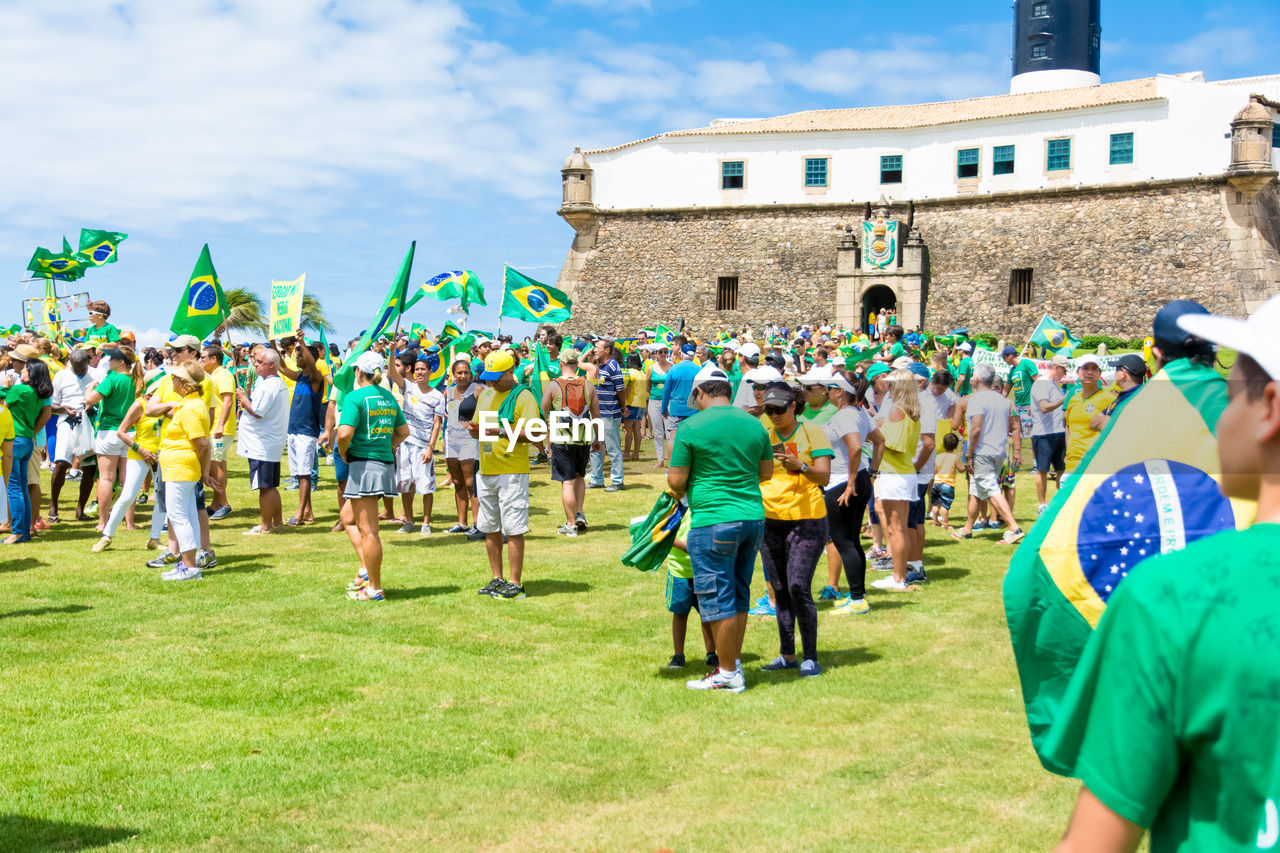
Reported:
(773, 411)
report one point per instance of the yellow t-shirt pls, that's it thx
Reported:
(904, 434)
(794, 497)
(637, 389)
(494, 458)
(291, 362)
(6, 424)
(168, 395)
(146, 434)
(223, 383)
(1079, 412)
(944, 471)
(178, 459)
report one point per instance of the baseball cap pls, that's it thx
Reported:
(1133, 364)
(24, 352)
(117, 353)
(902, 362)
(877, 369)
(749, 350)
(966, 346)
(1167, 328)
(1255, 337)
(1088, 359)
(496, 364)
(570, 356)
(482, 340)
(187, 341)
(370, 362)
(708, 373)
(919, 370)
(1009, 350)
(1060, 361)
(689, 349)
(777, 395)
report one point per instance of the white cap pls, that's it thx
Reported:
(732, 344)
(966, 346)
(1088, 359)
(481, 340)
(1255, 337)
(749, 350)
(762, 375)
(370, 362)
(902, 362)
(708, 373)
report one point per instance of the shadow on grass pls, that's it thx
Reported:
(21, 832)
(551, 587)
(948, 574)
(243, 563)
(44, 611)
(21, 565)
(423, 591)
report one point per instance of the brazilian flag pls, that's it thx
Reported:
(463, 285)
(653, 535)
(64, 266)
(526, 299)
(99, 247)
(853, 355)
(392, 307)
(1148, 486)
(203, 306)
(1055, 337)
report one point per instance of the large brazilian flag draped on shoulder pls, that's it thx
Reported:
(526, 299)
(1148, 486)
(203, 306)
(392, 307)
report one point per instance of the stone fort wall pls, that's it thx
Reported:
(1104, 258)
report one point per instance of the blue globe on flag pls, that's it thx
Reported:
(1142, 510)
(101, 253)
(537, 300)
(202, 297)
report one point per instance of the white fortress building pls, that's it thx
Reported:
(1091, 202)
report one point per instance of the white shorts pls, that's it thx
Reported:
(460, 444)
(218, 449)
(106, 442)
(412, 472)
(504, 503)
(302, 454)
(62, 452)
(896, 487)
(985, 481)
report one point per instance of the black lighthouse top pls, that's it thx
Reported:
(1056, 35)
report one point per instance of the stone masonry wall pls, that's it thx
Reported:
(1103, 258)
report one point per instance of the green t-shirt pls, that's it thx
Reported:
(1021, 377)
(108, 332)
(375, 414)
(722, 447)
(735, 379)
(118, 391)
(25, 408)
(678, 563)
(964, 377)
(1170, 717)
(897, 351)
(817, 417)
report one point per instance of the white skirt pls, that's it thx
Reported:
(896, 487)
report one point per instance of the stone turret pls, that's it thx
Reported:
(1250, 168)
(577, 206)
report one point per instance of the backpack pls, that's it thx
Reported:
(574, 391)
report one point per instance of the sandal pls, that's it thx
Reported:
(292, 521)
(958, 534)
(366, 594)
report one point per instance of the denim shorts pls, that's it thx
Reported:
(724, 558)
(943, 495)
(340, 467)
(680, 597)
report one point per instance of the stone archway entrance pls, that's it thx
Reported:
(876, 297)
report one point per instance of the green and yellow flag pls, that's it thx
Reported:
(660, 334)
(526, 299)
(455, 284)
(1148, 486)
(203, 306)
(99, 247)
(853, 355)
(63, 266)
(1055, 337)
(392, 307)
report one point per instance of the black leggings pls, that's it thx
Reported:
(790, 553)
(845, 526)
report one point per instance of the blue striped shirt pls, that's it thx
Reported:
(609, 389)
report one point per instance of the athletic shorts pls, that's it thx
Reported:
(370, 478)
(264, 475)
(1050, 451)
(1024, 416)
(569, 461)
(218, 449)
(915, 512)
(411, 472)
(106, 442)
(62, 444)
(985, 481)
(504, 503)
(680, 597)
(302, 454)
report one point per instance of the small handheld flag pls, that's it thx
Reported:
(455, 284)
(203, 306)
(99, 247)
(526, 299)
(1054, 336)
(392, 308)
(64, 266)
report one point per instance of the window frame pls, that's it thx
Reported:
(996, 162)
(976, 164)
(901, 170)
(1048, 155)
(826, 173)
(1021, 287)
(1041, 46)
(726, 284)
(743, 176)
(1036, 14)
(1111, 149)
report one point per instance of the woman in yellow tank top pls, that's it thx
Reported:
(895, 485)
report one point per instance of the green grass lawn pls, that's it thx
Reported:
(259, 709)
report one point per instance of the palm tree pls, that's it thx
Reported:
(313, 314)
(245, 312)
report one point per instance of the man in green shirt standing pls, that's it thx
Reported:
(1022, 373)
(1172, 718)
(964, 370)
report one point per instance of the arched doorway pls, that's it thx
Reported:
(877, 297)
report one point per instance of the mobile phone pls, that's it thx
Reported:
(778, 448)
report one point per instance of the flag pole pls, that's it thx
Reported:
(1033, 333)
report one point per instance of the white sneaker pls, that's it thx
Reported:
(182, 573)
(567, 529)
(74, 475)
(426, 529)
(256, 530)
(890, 583)
(407, 527)
(717, 680)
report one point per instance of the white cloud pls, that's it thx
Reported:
(153, 337)
(1234, 47)
(719, 80)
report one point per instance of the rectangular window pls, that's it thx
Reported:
(967, 163)
(815, 171)
(891, 169)
(733, 174)
(1020, 286)
(1040, 10)
(1275, 137)
(1059, 155)
(1121, 148)
(727, 293)
(1002, 160)
(1040, 50)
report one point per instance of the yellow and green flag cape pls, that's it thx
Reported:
(1148, 486)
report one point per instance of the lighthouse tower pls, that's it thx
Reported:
(1056, 44)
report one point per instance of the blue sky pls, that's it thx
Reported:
(321, 136)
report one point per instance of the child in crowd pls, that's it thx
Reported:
(944, 481)
(680, 598)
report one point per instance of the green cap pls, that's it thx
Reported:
(877, 369)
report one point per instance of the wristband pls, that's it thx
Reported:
(135, 448)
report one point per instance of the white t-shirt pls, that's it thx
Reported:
(995, 411)
(454, 424)
(1042, 423)
(746, 397)
(420, 408)
(68, 389)
(850, 419)
(928, 426)
(263, 438)
(944, 404)
(820, 371)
